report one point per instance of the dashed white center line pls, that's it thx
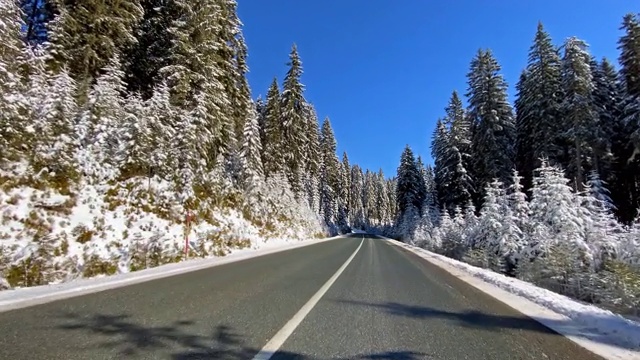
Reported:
(276, 342)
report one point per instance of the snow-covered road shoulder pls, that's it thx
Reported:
(25, 297)
(600, 331)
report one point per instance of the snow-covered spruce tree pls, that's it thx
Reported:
(452, 147)
(408, 188)
(273, 142)
(577, 108)
(382, 199)
(629, 59)
(602, 231)
(369, 199)
(293, 122)
(439, 145)
(498, 236)
(430, 207)
(605, 101)
(313, 164)
(345, 191)
(330, 174)
(519, 208)
(151, 51)
(88, 34)
(357, 189)
(56, 137)
(421, 184)
(449, 238)
(10, 50)
(250, 152)
(613, 143)
(557, 242)
(161, 129)
(492, 122)
(233, 61)
(135, 138)
(538, 105)
(100, 124)
(196, 79)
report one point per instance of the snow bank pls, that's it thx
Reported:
(607, 334)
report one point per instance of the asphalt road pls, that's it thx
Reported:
(387, 304)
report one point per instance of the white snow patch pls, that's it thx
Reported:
(602, 332)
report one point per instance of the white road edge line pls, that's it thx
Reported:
(281, 336)
(537, 312)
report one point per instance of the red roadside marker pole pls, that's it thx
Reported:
(186, 234)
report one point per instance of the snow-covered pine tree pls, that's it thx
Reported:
(233, 62)
(356, 194)
(330, 174)
(293, 121)
(555, 214)
(56, 138)
(369, 199)
(519, 206)
(492, 122)
(408, 186)
(439, 145)
(606, 107)
(430, 206)
(629, 46)
(577, 107)
(312, 170)
(491, 219)
(421, 185)
(629, 59)
(10, 50)
(152, 49)
(132, 155)
(382, 199)
(88, 34)
(100, 123)
(161, 118)
(453, 150)
(196, 78)
(345, 190)
(250, 151)
(538, 104)
(602, 231)
(273, 142)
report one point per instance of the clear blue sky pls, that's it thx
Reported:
(383, 70)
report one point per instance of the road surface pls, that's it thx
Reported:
(386, 304)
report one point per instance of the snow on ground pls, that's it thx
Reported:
(20, 298)
(103, 229)
(607, 334)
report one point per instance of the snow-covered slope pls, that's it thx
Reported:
(48, 237)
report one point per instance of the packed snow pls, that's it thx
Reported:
(610, 335)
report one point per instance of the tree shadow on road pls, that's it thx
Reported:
(492, 322)
(121, 334)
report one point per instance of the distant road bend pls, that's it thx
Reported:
(357, 297)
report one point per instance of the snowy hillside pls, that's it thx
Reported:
(49, 237)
